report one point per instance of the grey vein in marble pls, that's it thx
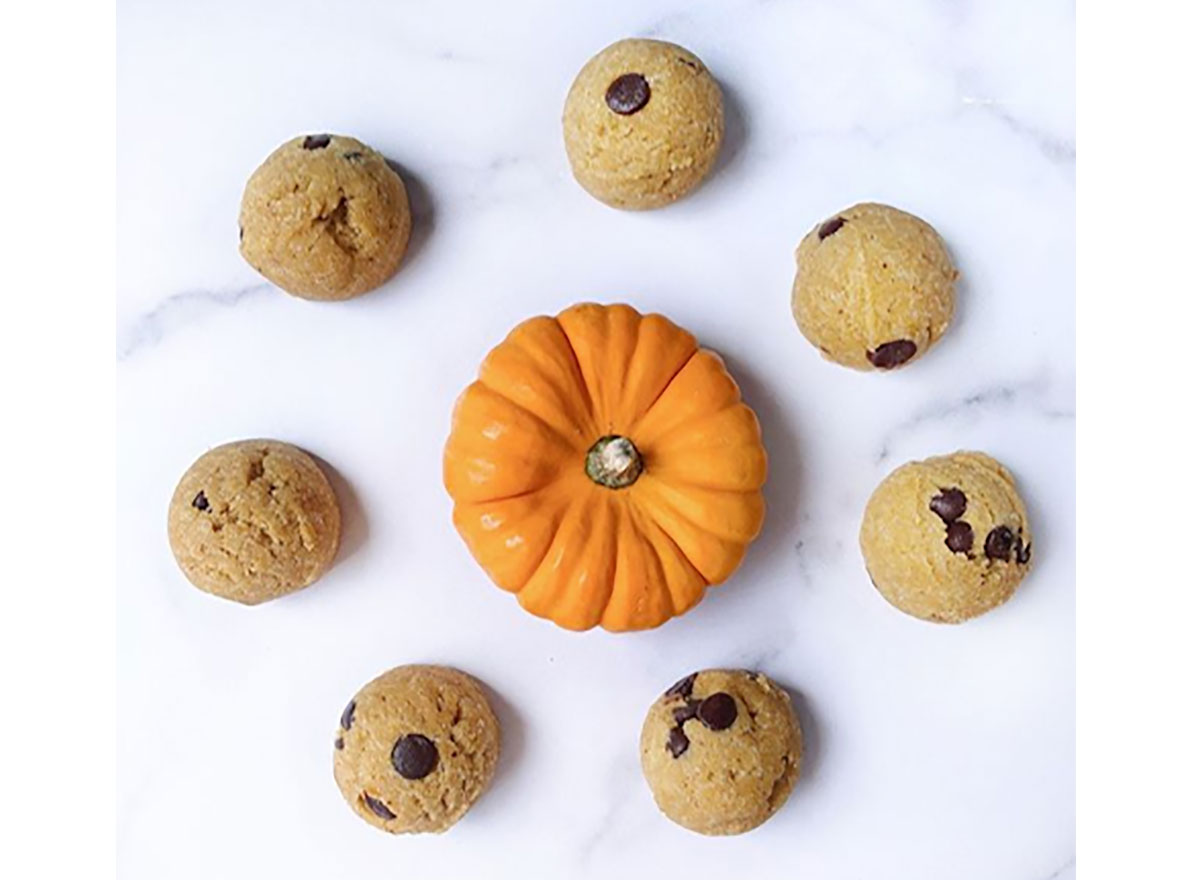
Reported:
(1026, 395)
(150, 327)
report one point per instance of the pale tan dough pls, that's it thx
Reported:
(254, 520)
(662, 151)
(416, 748)
(325, 218)
(874, 287)
(716, 780)
(947, 538)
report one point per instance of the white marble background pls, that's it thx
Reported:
(934, 752)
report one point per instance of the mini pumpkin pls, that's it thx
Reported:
(605, 469)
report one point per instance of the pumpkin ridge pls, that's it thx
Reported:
(527, 411)
(521, 344)
(558, 517)
(553, 431)
(662, 391)
(647, 522)
(589, 396)
(664, 498)
(590, 546)
(686, 423)
(521, 494)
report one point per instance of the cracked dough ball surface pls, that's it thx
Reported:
(721, 750)
(416, 748)
(254, 520)
(947, 539)
(325, 218)
(874, 287)
(643, 124)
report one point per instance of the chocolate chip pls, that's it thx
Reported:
(999, 543)
(414, 756)
(718, 711)
(692, 64)
(1023, 551)
(353, 156)
(316, 142)
(892, 354)
(960, 537)
(685, 712)
(949, 505)
(379, 808)
(683, 687)
(829, 227)
(339, 744)
(627, 94)
(200, 502)
(241, 233)
(677, 742)
(348, 715)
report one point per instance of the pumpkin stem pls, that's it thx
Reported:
(613, 462)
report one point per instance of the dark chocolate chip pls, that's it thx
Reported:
(316, 142)
(718, 711)
(627, 94)
(683, 687)
(348, 715)
(200, 502)
(677, 742)
(685, 712)
(353, 156)
(892, 354)
(829, 227)
(339, 744)
(949, 505)
(1023, 552)
(379, 808)
(960, 537)
(692, 64)
(414, 756)
(999, 543)
(241, 233)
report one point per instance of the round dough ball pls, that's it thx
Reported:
(643, 124)
(325, 218)
(874, 287)
(254, 520)
(416, 748)
(947, 539)
(722, 750)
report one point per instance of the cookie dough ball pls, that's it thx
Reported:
(721, 750)
(643, 124)
(253, 520)
(947, 539)
(325, 217)
(874, 287)
(416, 748)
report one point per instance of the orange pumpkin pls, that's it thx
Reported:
(604, 468)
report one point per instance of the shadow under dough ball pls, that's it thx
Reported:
(643, 124)
(254, 520)
(947, 539)
(874, 287)
(325, 218)
(721, 750)
(416, 748)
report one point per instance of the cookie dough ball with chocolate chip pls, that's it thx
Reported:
(721, 750)
(874, 287)
(643, 124)
(416, 748)
(947, 538)
(254, 520)
(325, 217)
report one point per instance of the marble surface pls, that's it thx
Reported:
(934, 752)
